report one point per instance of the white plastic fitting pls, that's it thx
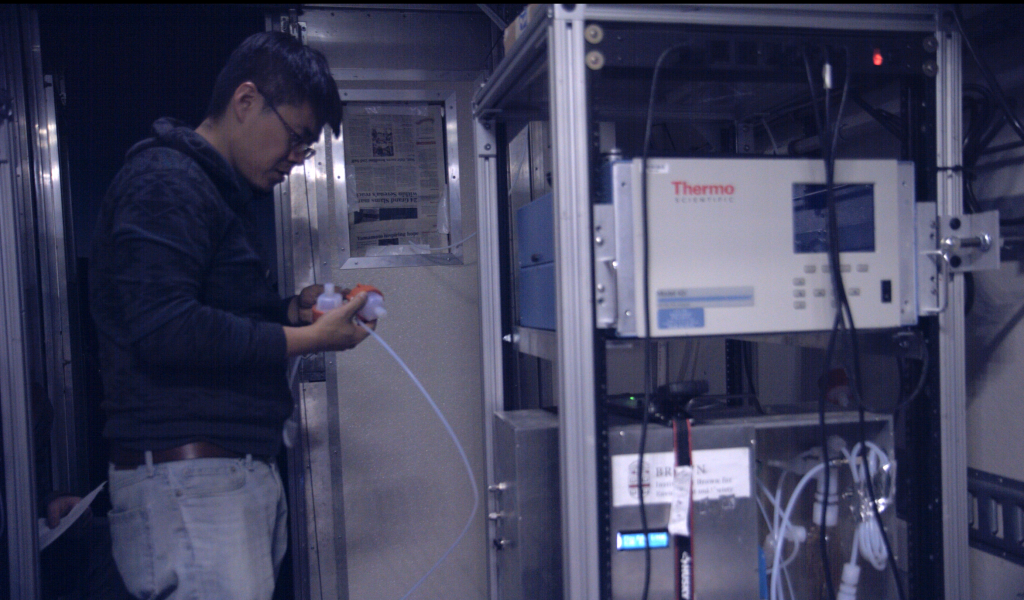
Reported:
(374, 307)
(831, 507)
(848, 584)
(329, 299)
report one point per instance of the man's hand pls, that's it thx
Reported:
(59, 508)
(300, 310)
(337, 330)
(333, 331)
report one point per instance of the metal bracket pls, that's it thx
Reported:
(744, 138)
(952, 244)
(605, 289)
(293, 27)
(970, 242)
(931, 299)
(313, 368)
(997, 515)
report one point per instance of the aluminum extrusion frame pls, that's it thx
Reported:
(952, 352)
(564, 56)
(19, 511)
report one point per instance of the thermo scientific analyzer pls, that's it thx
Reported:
(740, 245)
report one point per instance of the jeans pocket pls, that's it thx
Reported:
(131, 538)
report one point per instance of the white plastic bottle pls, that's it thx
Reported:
(328, 300)
(374, 307)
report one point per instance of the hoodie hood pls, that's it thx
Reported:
(173, 134)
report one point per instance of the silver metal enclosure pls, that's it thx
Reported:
(527, 525)
(543, 77)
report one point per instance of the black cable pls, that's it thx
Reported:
(644, 420)
(748, 368)
(989, 76)
(844, 309)
(921, 380)
(647, 312)
(1008, 113)
(837, 322)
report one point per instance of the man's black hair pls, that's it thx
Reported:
(285, 72)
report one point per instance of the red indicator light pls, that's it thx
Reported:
(876, 58)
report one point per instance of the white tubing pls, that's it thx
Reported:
(458, 445)
(776, 562)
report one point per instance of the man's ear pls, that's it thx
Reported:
(244, 102)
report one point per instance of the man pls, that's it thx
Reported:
(194, 339)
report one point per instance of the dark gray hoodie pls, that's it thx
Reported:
(188, 318)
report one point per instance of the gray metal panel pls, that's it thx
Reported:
(405, 490)
(874, 17)
(318, 555)
(406, 38)
(620, 179)
(404, 497)
(952, 359)
(536, 342)
(627, 566)
(725, 539)
(527, 513)
(535, 232)
(727, 534)
(18, 510)
(909, 252)
(537, 297)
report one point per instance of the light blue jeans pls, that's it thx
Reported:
(202, 529)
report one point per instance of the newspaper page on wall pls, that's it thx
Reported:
(395, 178)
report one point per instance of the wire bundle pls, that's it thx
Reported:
(867, 461)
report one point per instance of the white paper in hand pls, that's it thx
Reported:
(47, 536)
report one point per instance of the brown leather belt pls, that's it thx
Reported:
(123, 458)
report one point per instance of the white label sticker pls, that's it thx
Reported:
(679, 514)
(655, 479)
(723, 472)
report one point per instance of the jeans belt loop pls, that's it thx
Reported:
(150, 470)
(248, 462)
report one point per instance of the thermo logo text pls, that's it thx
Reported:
(685, 189)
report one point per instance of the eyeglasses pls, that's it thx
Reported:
(295, 141)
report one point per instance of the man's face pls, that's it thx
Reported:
(274, 141)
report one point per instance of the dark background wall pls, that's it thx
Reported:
(122, 68)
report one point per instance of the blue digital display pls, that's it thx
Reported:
(855, 215)
(635, 540)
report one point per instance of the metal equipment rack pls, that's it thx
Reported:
(545, 75)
